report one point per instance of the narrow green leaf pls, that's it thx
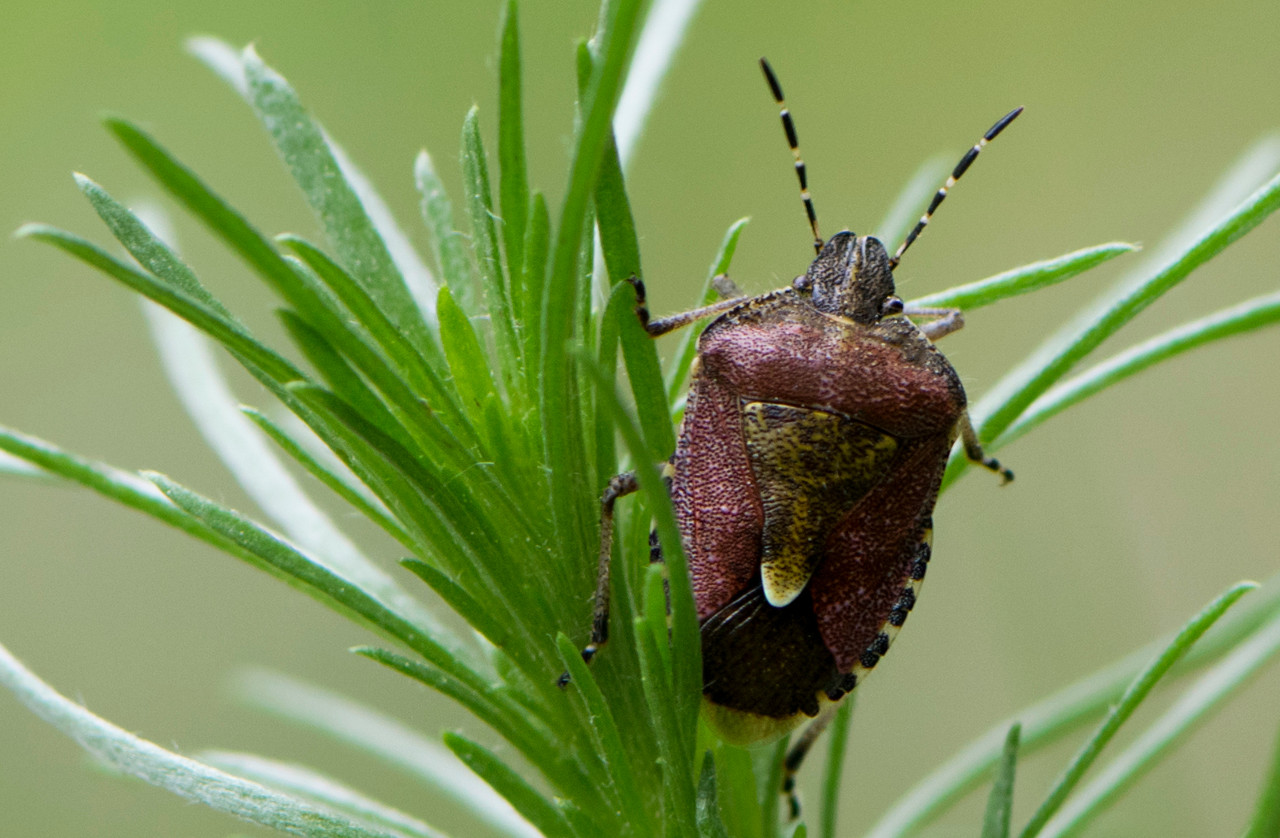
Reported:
(640, 352)
(461, 489)
(374, 458)
(995, 824)
(537, 244)
(560, 308)
(398, 351)
(335, 475)
(484, 231)
(444, 432)
(305, 150)
(1011, 397)
(1209, 691)
(418, 279)
(228, 63)
(606, 454)
(655, 611)
(679, 798)
(258, 252)
(621, 250)
(484, 243)
(236, 232)
(398, 370)
(604, 728)
(527, 801)
(776, 764)
(1025, 279)
(14, 467)
(1051, 718)
(477, 615)
(341, 377)
(676, 708)
(1133, 696)
(222, 58)
(193, 371)
(448, 245)
(126, 487)
(665, 28)
(181, 775)
(227, 332)
(268, 552)
(688, 346)
(1255, 166)
(143, 245)
(517, 466)
(617, 226)
(737, 788)
(370, 731)
(467, 360)
(1237, 320)
(488, 704)
(709, 823)
(307, 784)
(513, 180)
(1266, 816)
(449, 511)
(837, 747)
(619, 664)
(593, 277)
(426, 531)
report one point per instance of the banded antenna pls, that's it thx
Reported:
(960, 169)
(790, 128)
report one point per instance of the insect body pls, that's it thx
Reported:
(818, 425)
(816, 432)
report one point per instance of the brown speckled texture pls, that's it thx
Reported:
(885, 377)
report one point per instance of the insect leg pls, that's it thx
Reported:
(947, 320)
(797, 753)
(667, 324)
(973, 450)
(619, 485)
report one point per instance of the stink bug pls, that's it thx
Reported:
(818, 424)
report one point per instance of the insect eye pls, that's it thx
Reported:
(891, 306)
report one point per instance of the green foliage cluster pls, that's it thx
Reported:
(472, 414)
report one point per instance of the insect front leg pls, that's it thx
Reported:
(947, 320)
(656, 328)
(973, 450)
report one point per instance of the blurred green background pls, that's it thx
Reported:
(1127, 515)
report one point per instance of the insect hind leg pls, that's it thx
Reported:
(796, 754)
(973, 450)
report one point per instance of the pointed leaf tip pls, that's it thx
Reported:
(225, 60)
(32, 229)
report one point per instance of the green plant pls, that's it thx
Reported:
(475, 421)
